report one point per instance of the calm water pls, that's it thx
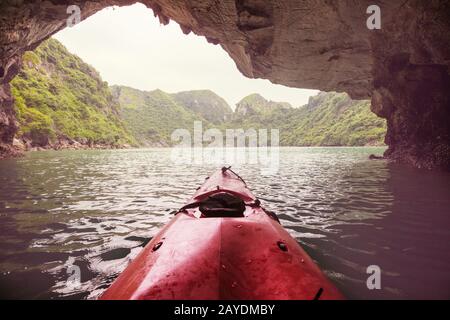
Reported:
(96, 209)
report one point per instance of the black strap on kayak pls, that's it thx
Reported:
(224, 169)
(318, 294)
(222, 204)
(189, 206)
(256, 203)
(272, 214)
(226, 208)
(225, 203)
(199, 203)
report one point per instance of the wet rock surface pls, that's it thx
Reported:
(314, 44)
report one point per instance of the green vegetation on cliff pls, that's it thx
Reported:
(256, 112)
(206, 104)
(329, 119)
(59, 97)
(257, 108)
(152, 116)
(333, 119)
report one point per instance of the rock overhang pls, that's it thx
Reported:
(314, 44)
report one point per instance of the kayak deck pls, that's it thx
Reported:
(248, 257)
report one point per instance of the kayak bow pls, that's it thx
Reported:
(222, 245)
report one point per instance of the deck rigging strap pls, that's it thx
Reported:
(224, 169)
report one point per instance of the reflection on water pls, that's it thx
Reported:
(97, 209)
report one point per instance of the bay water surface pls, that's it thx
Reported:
(96, 209)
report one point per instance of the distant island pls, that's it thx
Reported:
(62, 103)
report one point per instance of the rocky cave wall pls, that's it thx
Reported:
(317, 44)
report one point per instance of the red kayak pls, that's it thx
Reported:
(223, 245)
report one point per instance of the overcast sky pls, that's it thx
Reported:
(128, 46)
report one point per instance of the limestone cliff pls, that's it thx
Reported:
(308, 44)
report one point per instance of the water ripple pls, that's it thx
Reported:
(97, 209)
